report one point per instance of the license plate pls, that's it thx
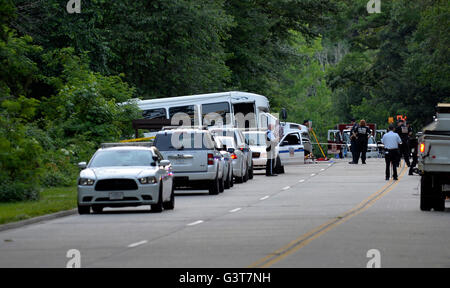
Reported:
(115, 196)
(180, 161)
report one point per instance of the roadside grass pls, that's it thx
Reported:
(52, 200)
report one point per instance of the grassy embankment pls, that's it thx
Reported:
(52, 200)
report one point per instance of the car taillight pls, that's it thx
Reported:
(210, 159)
(233, 156)
(422, 147)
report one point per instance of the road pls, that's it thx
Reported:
(315, 215)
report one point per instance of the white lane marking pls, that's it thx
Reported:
(287, 187)
(322, 169)
(300, 181)
(195, 223)
(313, 174)
(264, 198)
(235, 210)
(137, 244)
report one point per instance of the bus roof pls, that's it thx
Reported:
(237, 96)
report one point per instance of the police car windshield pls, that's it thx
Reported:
(114, 158)
(257, 139)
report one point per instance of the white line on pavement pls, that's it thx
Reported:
(313, 174)
(235, 210)
(195, 223)
(137, 244)
(287, 187)
(322, 169)
(264, 198)
(302, 180)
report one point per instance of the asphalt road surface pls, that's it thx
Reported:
(315, 215)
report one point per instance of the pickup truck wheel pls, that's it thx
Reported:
(214, 187)
(439, 200)
(82, 210)
(426, 202)
(158, 207)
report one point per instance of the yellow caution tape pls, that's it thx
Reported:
(137, 139)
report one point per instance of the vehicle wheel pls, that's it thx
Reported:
(158, 207)
(246, 175)
(97, 209)
(425, 187)
(439, 200)
(240, 179)
(431, 197)
(250, 173)
(214, 187)
(227, 183)
(82, 210)
(221, 185)
(170, 205)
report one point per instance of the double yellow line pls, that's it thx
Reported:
(303, 240)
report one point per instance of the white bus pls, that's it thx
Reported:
(227, 109)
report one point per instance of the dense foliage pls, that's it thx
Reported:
(62, 74)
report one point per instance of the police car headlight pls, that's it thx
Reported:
(86, 182)
(148, 180)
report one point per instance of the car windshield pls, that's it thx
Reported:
(113, 158)
(257, 139)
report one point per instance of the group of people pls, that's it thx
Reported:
(399, 142)
(359, 139)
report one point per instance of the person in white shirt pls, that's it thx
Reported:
(391, 141)
(270, 149)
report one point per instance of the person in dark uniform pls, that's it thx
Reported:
(271, 153)
(353, 146)
(362, 133)
(403, 131)
(413, 144)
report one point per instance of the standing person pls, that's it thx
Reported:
(353, 146)
(270, 149)
(413, 146)
(391, 141)
(403, 131)
(363, 133)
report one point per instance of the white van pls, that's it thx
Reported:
(226, 109)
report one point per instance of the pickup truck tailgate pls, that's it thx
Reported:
(188, 160)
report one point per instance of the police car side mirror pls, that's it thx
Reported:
(82, 165)
(164, 163)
